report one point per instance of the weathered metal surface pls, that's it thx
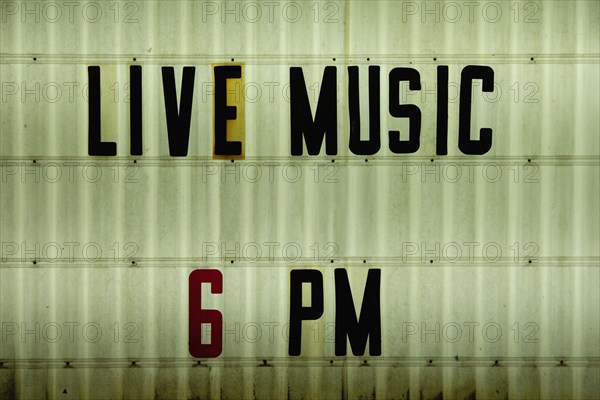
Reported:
(489, 263)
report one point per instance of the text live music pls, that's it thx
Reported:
(304, 128)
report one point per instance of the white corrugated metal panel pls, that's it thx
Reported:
(490, 283)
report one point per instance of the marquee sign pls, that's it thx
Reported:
(299, 199)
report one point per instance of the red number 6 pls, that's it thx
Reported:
(198, 316)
